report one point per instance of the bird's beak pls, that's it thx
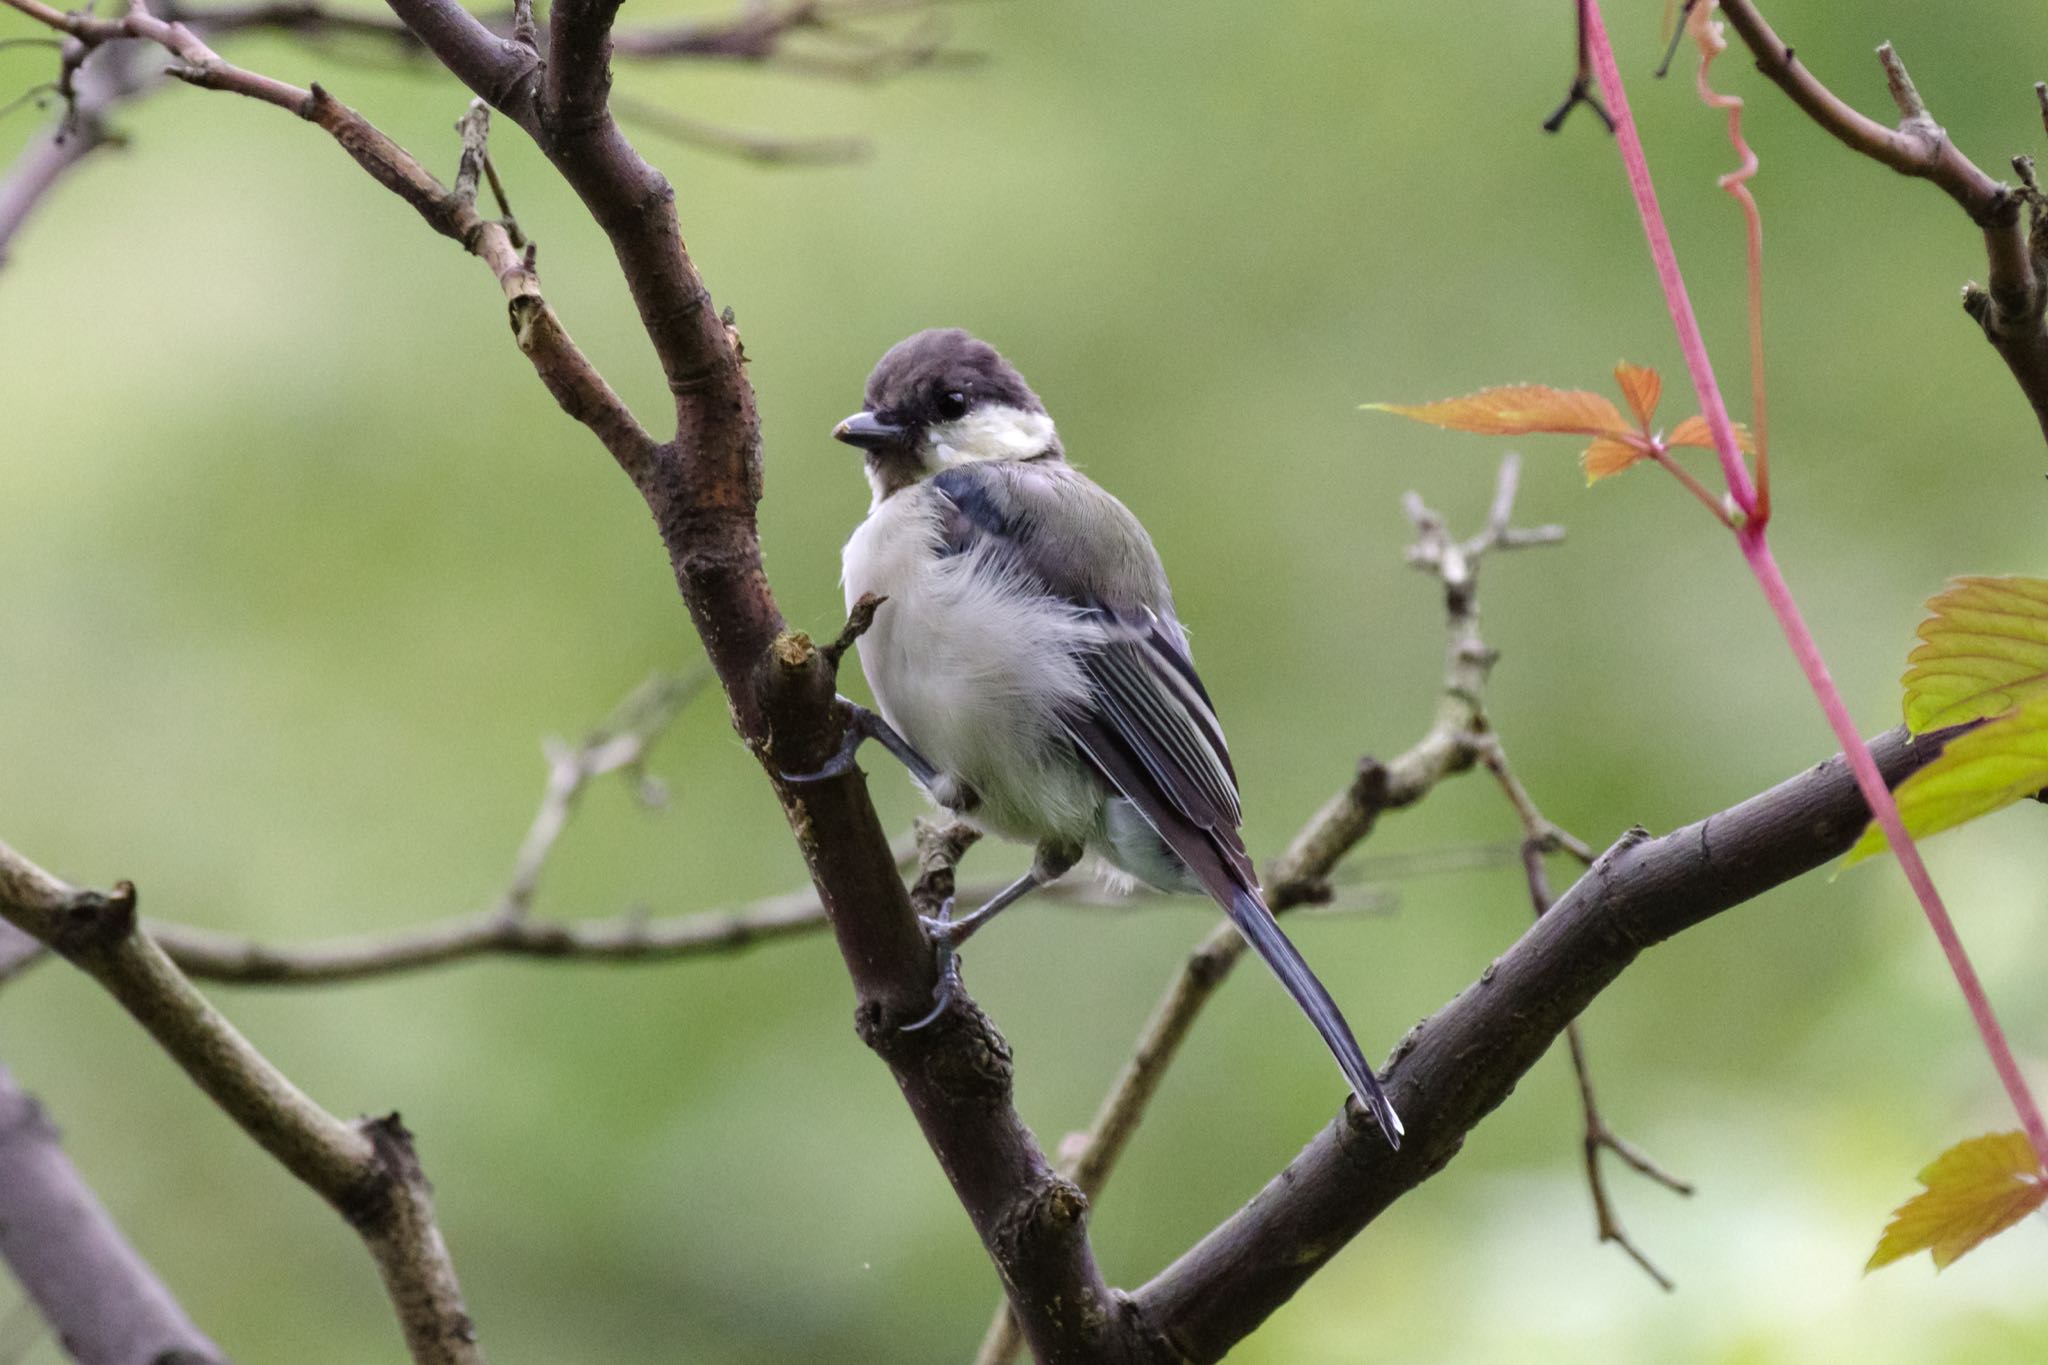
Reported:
(867, 431)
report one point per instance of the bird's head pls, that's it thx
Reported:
(941, 398)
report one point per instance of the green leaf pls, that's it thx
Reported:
(1975, 1190)
(2000, 762)
(1983, 652)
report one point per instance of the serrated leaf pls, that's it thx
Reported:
(1641, 386)
(1694, 431)
(1983, 652)
(2000, 762)
(1610, 455)
(1519, 410)
(1975, 1190)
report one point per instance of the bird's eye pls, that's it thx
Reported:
(952, 405)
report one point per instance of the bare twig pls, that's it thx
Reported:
(1581, 91)
(1541, 838)
(366, 1170)
(628, 938)
(842, 39)
(99, 1297)
(81, 129)
(2010, 306)
(1455, 740)
(844, 47)
(618, 744)
(767, 149)
(567, 373)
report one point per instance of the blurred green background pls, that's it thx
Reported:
(298, 563)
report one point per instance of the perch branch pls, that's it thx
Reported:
(1458, 1065)
(366, 1170)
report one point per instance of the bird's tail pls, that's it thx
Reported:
(1262, 931)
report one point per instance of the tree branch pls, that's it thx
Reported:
(80, 130)
(102, 1300)
(567, 373)
(1460, 1063)
(365, 1170)
(2010, 307)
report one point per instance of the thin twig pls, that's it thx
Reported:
(111, 80)
(1581, 91)
(619, 744)
(766, 149)
(1541, 838)
(569, 376)
(628, 938)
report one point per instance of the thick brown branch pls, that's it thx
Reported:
(365, 1170)
(2010, 305)
(578, 79)
(703, 489)
(98, 1296)
(1459, 1064)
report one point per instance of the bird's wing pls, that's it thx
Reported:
(1139, 745)
(1147, 726)
(1071, 540)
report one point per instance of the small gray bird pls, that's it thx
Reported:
(1028, 664)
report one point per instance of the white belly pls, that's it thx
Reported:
(975, 676)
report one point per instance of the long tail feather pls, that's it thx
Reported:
(1216, 858)
(1262, 931)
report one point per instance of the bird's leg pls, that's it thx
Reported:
(863, 724)
(946, 934)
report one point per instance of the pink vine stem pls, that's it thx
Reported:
(1751, 536)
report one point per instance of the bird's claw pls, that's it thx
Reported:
(841, 761)
(863, 724)
(939, 930)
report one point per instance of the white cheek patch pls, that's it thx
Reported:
(997, 432)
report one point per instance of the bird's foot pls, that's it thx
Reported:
(863, 724)
(945, 935)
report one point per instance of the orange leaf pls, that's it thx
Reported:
(1693, 432)
(1518, 410)
(1610, 455)
(1976, 1189)
(1641, 386)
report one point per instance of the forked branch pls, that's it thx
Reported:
(366, 1170)
(2010, 305)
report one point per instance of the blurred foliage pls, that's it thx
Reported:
(297, 563)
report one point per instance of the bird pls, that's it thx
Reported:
(1028, 664)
